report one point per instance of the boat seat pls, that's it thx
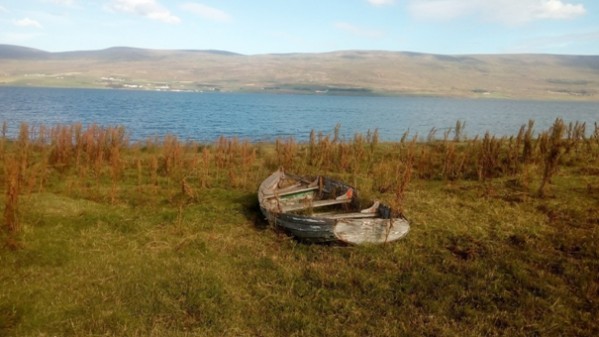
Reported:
(294, 190)
(360, 215)
(314, 204)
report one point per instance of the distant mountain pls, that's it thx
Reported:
(113, 54)
(341, 72)
(133, 54)
(17, 52)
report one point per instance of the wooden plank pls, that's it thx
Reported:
(350, 216)
(285, 189)
(283, 193)
(314, 204)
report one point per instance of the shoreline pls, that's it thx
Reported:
(349, 92)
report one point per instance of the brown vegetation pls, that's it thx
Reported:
(105, 153)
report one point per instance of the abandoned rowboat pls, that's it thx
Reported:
(326, 210)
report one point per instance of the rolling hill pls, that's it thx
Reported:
(536, 76)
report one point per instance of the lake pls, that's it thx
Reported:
(264, 117)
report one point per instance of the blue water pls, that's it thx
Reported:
(258, 117)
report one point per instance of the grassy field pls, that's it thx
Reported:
(103, 237)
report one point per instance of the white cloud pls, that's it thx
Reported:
(358, 31)
(207, 12)
(3, 10)
(27, 22)
(146, 8)
(503, 11)
(556, 9)
(381, 2)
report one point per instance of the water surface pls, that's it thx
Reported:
(258, 117)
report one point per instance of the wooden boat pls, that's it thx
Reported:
(326, 210)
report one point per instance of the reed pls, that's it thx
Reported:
(3, 140)
(343, 158)
(394, 172)
(453, 162)
(77, 134)
(43, 169)
(154, 170)
(489, 157)
(512, 156)
(247, 158)
(425, 162)
(404, 137)
(116, 172)
(337, 133)
(286, 152)
(140, 172)
(403, 176)
(552, 146)
(312, 148)
(11, 203)
(432, 135)
(23, 157)
(574, 141)
(374, 140)
(23, 146)
(61, 147)
(361, 152)
(187, 190)
(383, 175)
(459, 131)
(526, 133)
(592, 143)
(97, 140)
(172, 159)
(320, 151)
(203, 173)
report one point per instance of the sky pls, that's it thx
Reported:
(453, 27)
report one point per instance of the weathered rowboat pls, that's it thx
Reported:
(326, 210)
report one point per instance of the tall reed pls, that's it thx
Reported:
(203, 172)
(286, 152)
(488, 159)
(459, 131)
(3, 140)
(552, 146)
(11, 202)
(13, 187)
(526, 133)
(403, 178)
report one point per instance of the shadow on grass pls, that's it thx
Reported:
(251, 210)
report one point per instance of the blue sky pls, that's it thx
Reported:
(284, 26)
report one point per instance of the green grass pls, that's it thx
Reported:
(482, 259)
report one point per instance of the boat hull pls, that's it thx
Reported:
(370, 231)
(321, 228)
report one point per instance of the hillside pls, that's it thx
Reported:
(341, 72)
